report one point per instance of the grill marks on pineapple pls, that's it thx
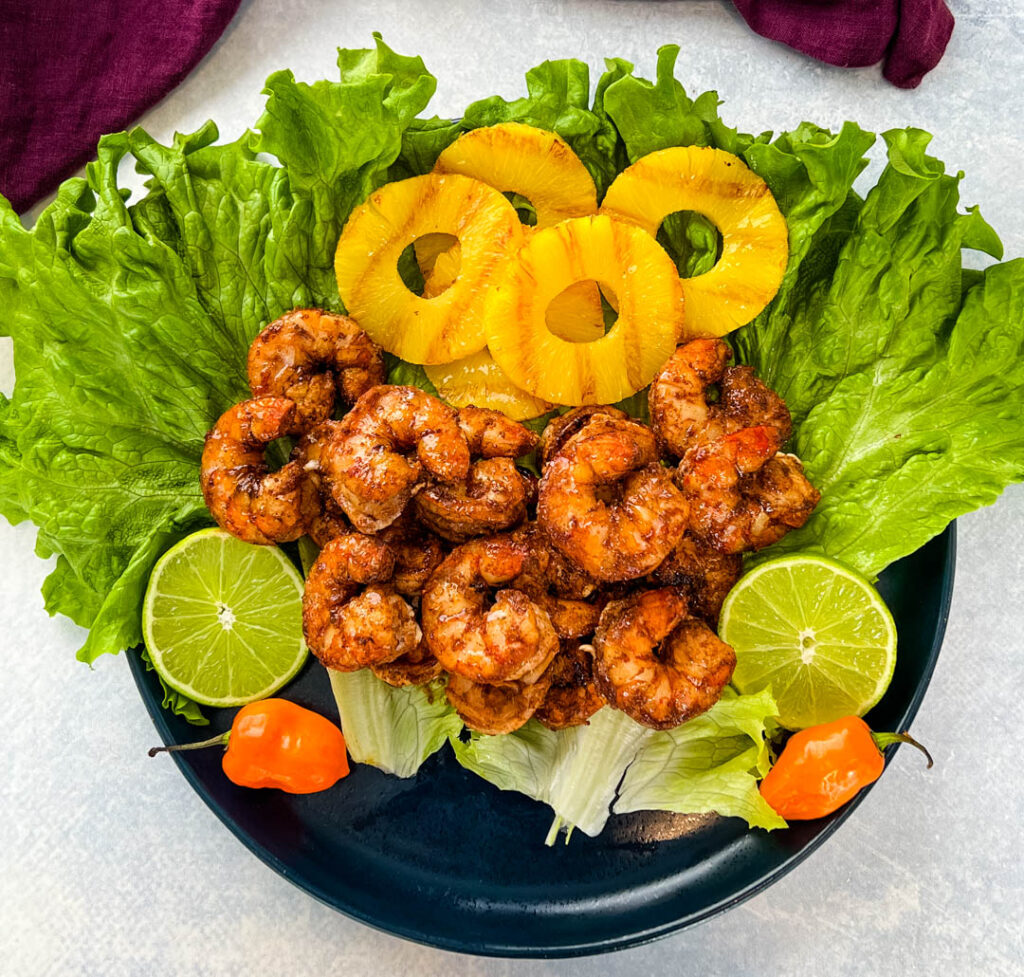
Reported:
(450, 325)
(536, 164)
(614, 365)
(718, 185)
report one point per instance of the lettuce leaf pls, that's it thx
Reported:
(574, 771)
(901, 422)
(119, 372)
(392, 729)
(711, 764)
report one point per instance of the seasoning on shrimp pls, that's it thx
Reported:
(416, 667)
(243, 495)
(308, 355)
(606, 502)
(655, 663)
(683, 417)
(573, 696)
(561, 428)
(348, 630)
(702, 574)
(485, 640)
(329, 519)
(742, 494)
(418, 553)
(495, 709)
(383, 450)
(568, 595)
(495, 494)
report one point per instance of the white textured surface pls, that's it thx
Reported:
(110, 865)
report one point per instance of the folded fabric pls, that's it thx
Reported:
(72, 71)
(910, 34)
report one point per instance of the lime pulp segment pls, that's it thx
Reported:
(222, 619)
(815, 631)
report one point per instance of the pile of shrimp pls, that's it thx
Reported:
(597, 584)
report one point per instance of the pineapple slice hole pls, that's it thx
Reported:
(693, 241)
(430, 265)
(729, 292)
(583, 311)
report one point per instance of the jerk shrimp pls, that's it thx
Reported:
(681, 415)
(655, 663)
(487, 642)
(495, 494)
(701, 573)
(607, 504)
(308, 356)
(382, 450)
(328, 520)
(243, 495)
(495, 709)
(416, 667)
(348, 630)
(743, 495)
(561, 429)
(570, 597)
(573, 696)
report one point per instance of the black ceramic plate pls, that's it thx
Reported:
(447, 859)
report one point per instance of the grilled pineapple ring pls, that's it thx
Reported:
(479, 381)
(450, 325)
(755, 241)
(517, 158)
(626, 358)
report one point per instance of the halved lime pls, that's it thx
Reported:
(815, 631)
(222, 619)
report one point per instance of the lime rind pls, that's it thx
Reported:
(853, 654)
(258, 651)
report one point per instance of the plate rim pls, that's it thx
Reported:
(485, 948)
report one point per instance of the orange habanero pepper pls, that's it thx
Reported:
(276, 743)
(823, 767)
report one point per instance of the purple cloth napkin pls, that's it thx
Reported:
(910, 34)
(71, 71)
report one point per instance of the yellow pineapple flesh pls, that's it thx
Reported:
(422, 329)
(719, 185)
(537, 164)
(622, 361)
(479, 381)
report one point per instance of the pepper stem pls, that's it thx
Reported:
(882, 740)
(220, 740)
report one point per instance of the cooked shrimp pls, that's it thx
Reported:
(416, 667)
(509, 639)
(345, 631)
(243, 495)
(701, 573)
(329, 521)
(306, 355)
(573, 696)
(560, 429)
(495, 709)
(418, 553)
(742, 495)
(681, 415)
(491, 434)
(644, 515)
(569, 596)
(493, 497)
(383, 447)
(657, 665)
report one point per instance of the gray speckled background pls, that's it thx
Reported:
(110, 865)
